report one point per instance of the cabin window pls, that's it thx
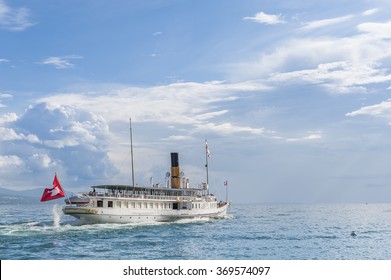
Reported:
(110, 204)
(175, 205)
(126, 204)
(99, 203)
(118, 204)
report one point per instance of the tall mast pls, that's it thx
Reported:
(207, 155)
(131, 151)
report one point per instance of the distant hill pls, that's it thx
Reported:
(26, 193)
(20, 197)
(32, 196)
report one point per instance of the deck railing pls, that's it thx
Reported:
(143, 196)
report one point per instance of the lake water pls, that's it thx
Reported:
(273, 232)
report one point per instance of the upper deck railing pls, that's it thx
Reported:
(142, 196)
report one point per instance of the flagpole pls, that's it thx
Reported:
(67, 197)
(226, 191)
(55, 175)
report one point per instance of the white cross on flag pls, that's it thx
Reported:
(53, 193)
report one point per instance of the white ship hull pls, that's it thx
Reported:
(89, 215)
(126, 204)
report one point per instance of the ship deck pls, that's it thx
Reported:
(137, 191)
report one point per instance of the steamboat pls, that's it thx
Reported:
(177, 199)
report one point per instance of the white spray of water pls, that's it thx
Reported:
(57, 213)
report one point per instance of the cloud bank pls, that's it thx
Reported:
(50, 138)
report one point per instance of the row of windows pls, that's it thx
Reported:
(146, 205)
(135, 205)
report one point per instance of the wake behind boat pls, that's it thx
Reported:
(127, 204)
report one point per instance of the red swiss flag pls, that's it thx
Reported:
(53, 193)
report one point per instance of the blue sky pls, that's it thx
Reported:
(293, 96)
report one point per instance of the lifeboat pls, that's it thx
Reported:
(78, 199)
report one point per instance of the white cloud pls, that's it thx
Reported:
(9, 134)
(262, 17)
(5, 95)
(211, 115)
(61, 62)
(370, 12)
(61, 143)
(313, 137)
(179, 103)
(52, 137)
(338, 77)
(14, 19)
(3, 60)
(12, 171)
(296, 53)
(310, 137)
(376, 30)
(383, 109)
(349, 64)
(10, 117)
(228, 128)
(62, 126)
(325, 22)
(176, 138)
(40, 161)
(10, 161)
